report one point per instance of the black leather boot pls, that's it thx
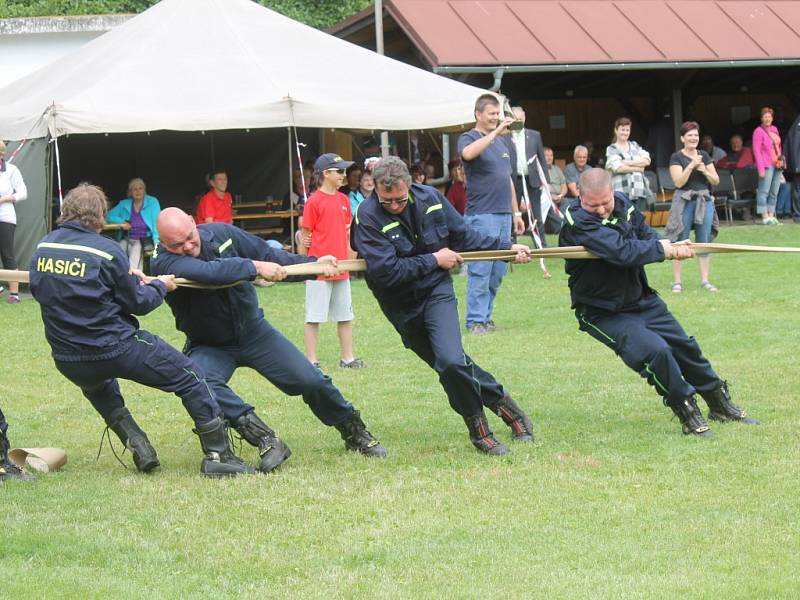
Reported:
(513, 416)
(358, 439)
(8, 470)
(131, 435)
(272, 450)
(692, 421)
(482, 437)
(720, 407)
(219, 459)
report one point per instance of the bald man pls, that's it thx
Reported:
(615, 305)
(225, 329)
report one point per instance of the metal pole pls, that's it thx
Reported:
(379, 50)
(677, 115)
(291, 207)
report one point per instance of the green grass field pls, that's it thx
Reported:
(611, 501)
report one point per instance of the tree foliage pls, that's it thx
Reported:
(317, 13)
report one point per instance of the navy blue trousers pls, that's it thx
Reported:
(652, 342)
(431, 329)
(149, 360)
(274, 357)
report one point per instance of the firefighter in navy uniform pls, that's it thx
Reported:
(8, 470)
(615, 305)
(226, 329)
(409, 236)
(87, 295)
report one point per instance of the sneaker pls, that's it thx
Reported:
(677, 288)
(2, 289)
(13, 299)
(482, 437)
(8, 470)
(722, 409)
(490, 326)
(709, 287)
(513, 416)
(477, 329)
(356, 363)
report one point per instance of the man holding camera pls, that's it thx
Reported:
(491, 205)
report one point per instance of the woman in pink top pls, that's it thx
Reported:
(767, 151)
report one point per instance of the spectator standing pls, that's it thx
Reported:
(457, 191)
(325, 231)
(12, 190)
(692, 172)
(491, 205)
(137, 214)
(769, 162)
(215, 206)
(626, 161)
(739, 157)
(523, 145)
(365, 187)
(558, 183)
(792, 153)
(573, 171)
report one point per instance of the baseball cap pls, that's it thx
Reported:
(331, 161)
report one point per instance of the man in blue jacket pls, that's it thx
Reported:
(615, 305)
(87, 294)
(225, 328)
(410, 236)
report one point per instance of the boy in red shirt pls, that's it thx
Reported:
(215, 206)
(326, 224)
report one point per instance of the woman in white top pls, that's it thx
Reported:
(626, 161)
(12, 189)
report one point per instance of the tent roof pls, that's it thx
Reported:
(226, 64)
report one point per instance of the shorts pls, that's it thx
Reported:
(328, 301)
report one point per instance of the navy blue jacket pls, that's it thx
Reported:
(86, 294)
(223, 316)
(624, 242)
(401, 267)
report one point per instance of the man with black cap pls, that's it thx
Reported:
(325, 231)
(225, 329)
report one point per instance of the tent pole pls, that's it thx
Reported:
(291, 207)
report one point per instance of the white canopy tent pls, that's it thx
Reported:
(192, 65)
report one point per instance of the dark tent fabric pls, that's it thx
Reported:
(32, 214)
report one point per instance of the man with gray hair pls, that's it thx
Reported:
(615, 305)
(573, 171)
(410, 236)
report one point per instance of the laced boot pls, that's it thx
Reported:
(219, 459)
(720, 407)
(272, 450)
(131, 435)
(513, 416)
(692, 421)
(357, 438)
(482, 437)
(8, 470)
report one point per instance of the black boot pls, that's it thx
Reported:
(131, 435)
(272, 450)
(219, 459)
(514, 417)
(692, 421)
(357, 438)
(482, 437)
(720, 407)
(8, 470)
